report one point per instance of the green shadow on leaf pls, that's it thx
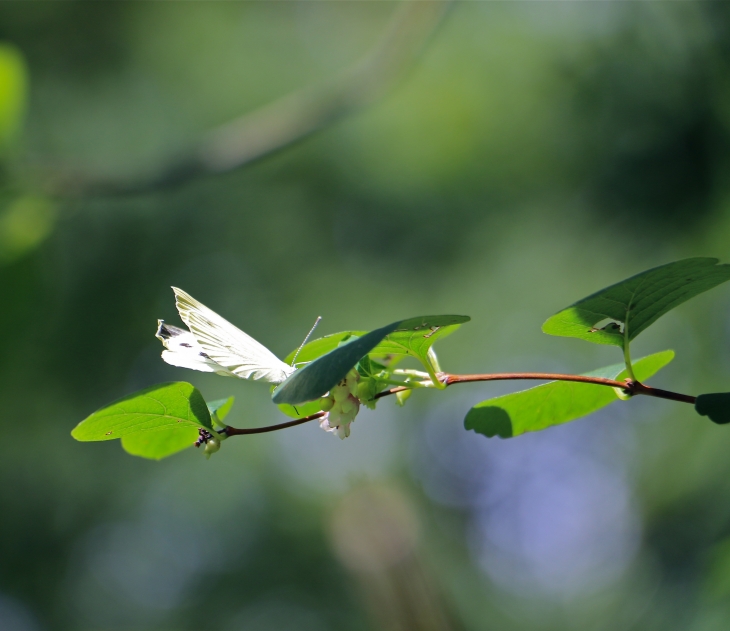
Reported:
(716, 406)
(490, 421)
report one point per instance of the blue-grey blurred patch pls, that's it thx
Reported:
(312, 461)
(140, 570)
(549, 513)
(14, 616)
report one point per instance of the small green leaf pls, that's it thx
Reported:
(321, 346)
(220, 408)
(716, 406)
(300, 410)
(418, 337)
(637, 302)
(555, 402)
(166, 406)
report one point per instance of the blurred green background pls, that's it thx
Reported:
(534, 154)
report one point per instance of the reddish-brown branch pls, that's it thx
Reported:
(640, 388)
(234, 431)
(546, 376)
(629, 386)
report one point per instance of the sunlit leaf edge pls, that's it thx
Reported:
(644, 368)
(660, 288)
(101, 426)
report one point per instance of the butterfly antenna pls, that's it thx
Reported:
(301, 346)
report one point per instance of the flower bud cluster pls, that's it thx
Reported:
(212, 443)
(341, 406)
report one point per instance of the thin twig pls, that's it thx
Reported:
(640, 388)
(234, 431)
(629, 386)
(546, 376)
(287, 120)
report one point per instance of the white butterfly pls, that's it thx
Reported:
(214, 345)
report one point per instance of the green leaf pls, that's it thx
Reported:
(716, 406)
(417, 340)
(555, 402)
(220, 408)
(300, 410)
(319, 376)
(321, 346)
(159, 444)
(166, 406)
(309, 352)
(637, 302)
(13, 93)
(166, 442)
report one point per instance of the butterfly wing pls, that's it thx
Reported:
(183, 350)
(227, 345)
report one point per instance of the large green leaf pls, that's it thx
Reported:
(319, 376)
(13, 92)
(166, 406)
(158, 444)
(555, 402)
(637, 302)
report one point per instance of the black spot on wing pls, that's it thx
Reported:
(167, 331)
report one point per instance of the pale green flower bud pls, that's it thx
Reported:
(326, 403)
(334, 416)
(363, 391)
(402, 397)
(211, 446)
(351, 380)
(349, 405)
(340, 392)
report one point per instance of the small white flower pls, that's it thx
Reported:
(342, 429)
(344, 409)
(339, 418)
